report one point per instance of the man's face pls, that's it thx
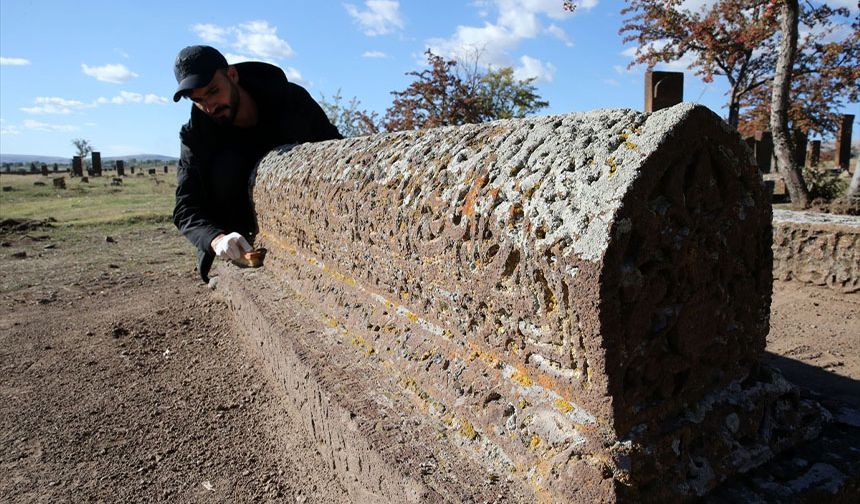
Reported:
(219, 99)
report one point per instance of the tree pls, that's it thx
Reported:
(783, 151)
(84, 148)
(826, 75)
(349, 119)
(505, 97)
(736, 39)
(452, 93)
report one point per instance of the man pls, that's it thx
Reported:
(240, 113)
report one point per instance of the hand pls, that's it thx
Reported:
(230, 246)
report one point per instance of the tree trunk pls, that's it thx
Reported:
(782, 149)
(734, 113)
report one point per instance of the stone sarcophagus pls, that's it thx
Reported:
(564, 309)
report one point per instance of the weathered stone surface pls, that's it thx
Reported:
(823, 249)
(580, 300)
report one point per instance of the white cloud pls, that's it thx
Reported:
(125, 97)
(54, 105)
(534, 68)
(51, 128)
(154, 99)
(379, 17)
(210, 33)
(14, 61)
(611, 82)
(116, 74)
(560, 34)
(293, 75)
(260, 39)
(516, 21)
(374, 54)
(254, 40)
(9, 129)
(679, 65)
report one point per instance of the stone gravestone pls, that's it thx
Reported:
(814, 154)
(663, 89)
(800, 143)
(577, 305)
(151, 171)
(165, 168)
(97, 164)
(132, 169)
(120, 168)
(33, 168)
(56, 168)
(763, 150)
(44, 170)
(59, 182)
(77, 167)
(843, 141)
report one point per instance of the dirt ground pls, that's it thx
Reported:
(122, 379)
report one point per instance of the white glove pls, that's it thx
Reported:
(230, 246)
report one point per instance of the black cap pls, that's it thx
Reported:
(195, 66)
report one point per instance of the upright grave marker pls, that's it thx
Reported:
(663, 90)
(843, 141)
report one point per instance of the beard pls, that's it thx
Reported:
(226, 119)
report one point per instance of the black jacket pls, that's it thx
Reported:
(216, 161)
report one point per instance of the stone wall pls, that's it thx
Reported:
(821, 249)
(578, 296)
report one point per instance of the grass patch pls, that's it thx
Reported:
(140, 200)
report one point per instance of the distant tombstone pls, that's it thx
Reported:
(85, 180)
(151, 171)
(97, 164)
(132, 170)
(44, 170)
(56, 168)
(116, 181)
(843, 141)
(763, 150)
(800, 141)
(59, 182)
(38, 183)
(33, 168)
(165, 168)
(663, 89)
(77, 167)
(119, 164)
(814, 153)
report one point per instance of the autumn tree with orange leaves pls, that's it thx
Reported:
(452, 93)
(738, 40)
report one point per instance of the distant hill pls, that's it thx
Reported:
(27, 158)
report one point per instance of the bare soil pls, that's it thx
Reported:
(122, 378)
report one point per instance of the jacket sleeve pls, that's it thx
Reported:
(189, 214)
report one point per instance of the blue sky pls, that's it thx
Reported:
(102, 70)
